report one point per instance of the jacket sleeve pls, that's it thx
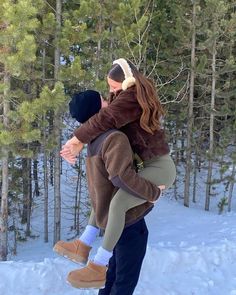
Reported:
(123, 110)
(118, 159)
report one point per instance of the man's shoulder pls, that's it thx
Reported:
(116, 138)
(115, 142)
(114, 134)
(111, 136)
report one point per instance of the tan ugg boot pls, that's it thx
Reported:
(76, 251)
(91, 276)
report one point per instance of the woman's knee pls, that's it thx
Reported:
(118, 201)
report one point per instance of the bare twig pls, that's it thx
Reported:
(176, 99)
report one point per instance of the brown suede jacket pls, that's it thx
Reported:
(124, 113)
(109, 166)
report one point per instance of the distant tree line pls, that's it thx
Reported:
(49, 49)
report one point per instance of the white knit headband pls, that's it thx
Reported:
(129, 78)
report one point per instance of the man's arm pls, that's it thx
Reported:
(118, 159)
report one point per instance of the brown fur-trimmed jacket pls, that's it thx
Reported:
(109, 166)
(124, 113)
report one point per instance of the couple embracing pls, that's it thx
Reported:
(127, 166)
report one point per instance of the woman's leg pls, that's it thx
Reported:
(79, 249)
(92, 219)
(160, 172)
(91, 231)
(120, 204)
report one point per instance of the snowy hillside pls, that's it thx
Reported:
(190, 252)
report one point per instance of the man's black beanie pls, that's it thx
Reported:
(84, 105)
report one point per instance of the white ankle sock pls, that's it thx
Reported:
(102, 257)
(89, 235)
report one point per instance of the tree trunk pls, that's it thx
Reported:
(195, 177)
(45, 156)
(176, 160)
(182, 150)
(57, 122)
(14, 250)
(190, 113)
(111, 44)
(76, 199)
(24, 189)
(211, 131)
(99, 44)
(5, 176)
(45, 178)
(4, 210)
(29, 200)
(27, 196)
(36, 180)
(231, 187)
(80, 194)
(51, 163)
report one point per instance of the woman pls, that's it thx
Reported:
(136, 110)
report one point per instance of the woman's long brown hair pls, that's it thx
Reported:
(147, 97)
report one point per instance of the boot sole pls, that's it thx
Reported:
(87, 285)
(67, 254)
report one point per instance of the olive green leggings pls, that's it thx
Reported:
(160, 171)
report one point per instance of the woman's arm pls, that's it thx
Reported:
(123, 110)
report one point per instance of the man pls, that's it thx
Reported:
(109, 167)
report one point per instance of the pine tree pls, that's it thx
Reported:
(190, 121)
(28, 96)
(219, 20)
(17, 51)
(57, 132)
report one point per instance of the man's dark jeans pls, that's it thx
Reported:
(125, 264)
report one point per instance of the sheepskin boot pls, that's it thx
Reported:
(76, 251)
(91, 276)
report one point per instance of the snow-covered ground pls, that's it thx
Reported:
(190, 252)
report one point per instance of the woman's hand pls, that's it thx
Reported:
(161, 187)
(71, 150)
(66, 154)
